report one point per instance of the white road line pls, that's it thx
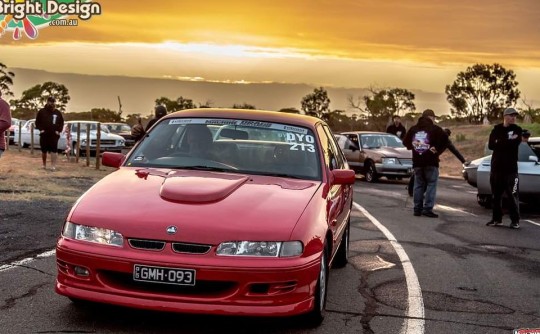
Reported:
(449, 208)
(414, 323)
(10, 266)
(530, 221)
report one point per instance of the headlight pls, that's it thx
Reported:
(120, 143)
(389, 161)
(93, 234)
(260, 248)
(83, 142)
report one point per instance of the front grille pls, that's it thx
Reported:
(406, 161)
(103, 142)
(190, 248)
(147, 244)
(202, 288)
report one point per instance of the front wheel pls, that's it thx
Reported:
(316, 316)
(342, 255)
(484, 200)
(371, 173)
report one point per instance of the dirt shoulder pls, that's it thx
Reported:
(34, 202)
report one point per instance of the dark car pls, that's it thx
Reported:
(123, 130)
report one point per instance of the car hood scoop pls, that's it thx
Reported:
(194, 189)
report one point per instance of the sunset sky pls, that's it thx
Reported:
(414, 44)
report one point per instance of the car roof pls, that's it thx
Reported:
(249, 114)
(91, 122)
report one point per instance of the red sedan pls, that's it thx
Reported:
(216, 211)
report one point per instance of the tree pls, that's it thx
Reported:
(289, 110)
(382, 104)
(6, 80)
(183, 104)
(244, 106)
(180, 103)
(35, 97)
(317, 103)
(482, 90)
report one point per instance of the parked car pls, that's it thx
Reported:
(109, 142)
(477, 174)
(123, 130)
(27, 134)
(376, 154)
(190, 224)
(14, 125)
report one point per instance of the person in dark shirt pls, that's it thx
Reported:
(50, 123)
(396, 128)
(427, 141)
(504, 141)
(451, 148)
(159, 112)
(137, 132)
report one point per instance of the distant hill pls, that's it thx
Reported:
(138, 94)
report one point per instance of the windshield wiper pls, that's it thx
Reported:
(206, 168)
(280, 175)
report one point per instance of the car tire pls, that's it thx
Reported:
(342, 255)
(371, 173)
(484, 201)
(315, 317)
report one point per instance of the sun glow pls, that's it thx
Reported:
(235, 51)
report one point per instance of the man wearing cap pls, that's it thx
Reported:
(504, 140)
(50, 123)
(427, 141)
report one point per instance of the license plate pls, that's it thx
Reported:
(176, 276)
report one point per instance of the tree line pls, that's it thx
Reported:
(480, 92)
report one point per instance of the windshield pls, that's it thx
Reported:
(118, 128)
(232, 145)
(93, 127)
(376, 140)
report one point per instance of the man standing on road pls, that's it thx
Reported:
(396, 128)
(504, 140)
(50, 123)
(5, 122)
(427, 141)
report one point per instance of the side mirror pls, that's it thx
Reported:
(343, 176)
(112, 159)
(533, 158)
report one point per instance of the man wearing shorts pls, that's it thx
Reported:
(49, 122)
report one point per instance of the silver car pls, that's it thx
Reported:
(477, 174)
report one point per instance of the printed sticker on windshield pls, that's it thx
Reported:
(301, 142)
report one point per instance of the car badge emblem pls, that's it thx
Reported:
(172, 230)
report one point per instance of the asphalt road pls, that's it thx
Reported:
(473, 278)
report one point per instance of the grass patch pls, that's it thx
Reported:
(23, 179)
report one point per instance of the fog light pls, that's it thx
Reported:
(81, 271)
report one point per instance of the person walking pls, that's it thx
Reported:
(5, 122)
(427, 142)
(396, 128)
(159, 112)
(504, 140)
(50, 123)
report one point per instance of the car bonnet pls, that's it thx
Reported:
(206, 207)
